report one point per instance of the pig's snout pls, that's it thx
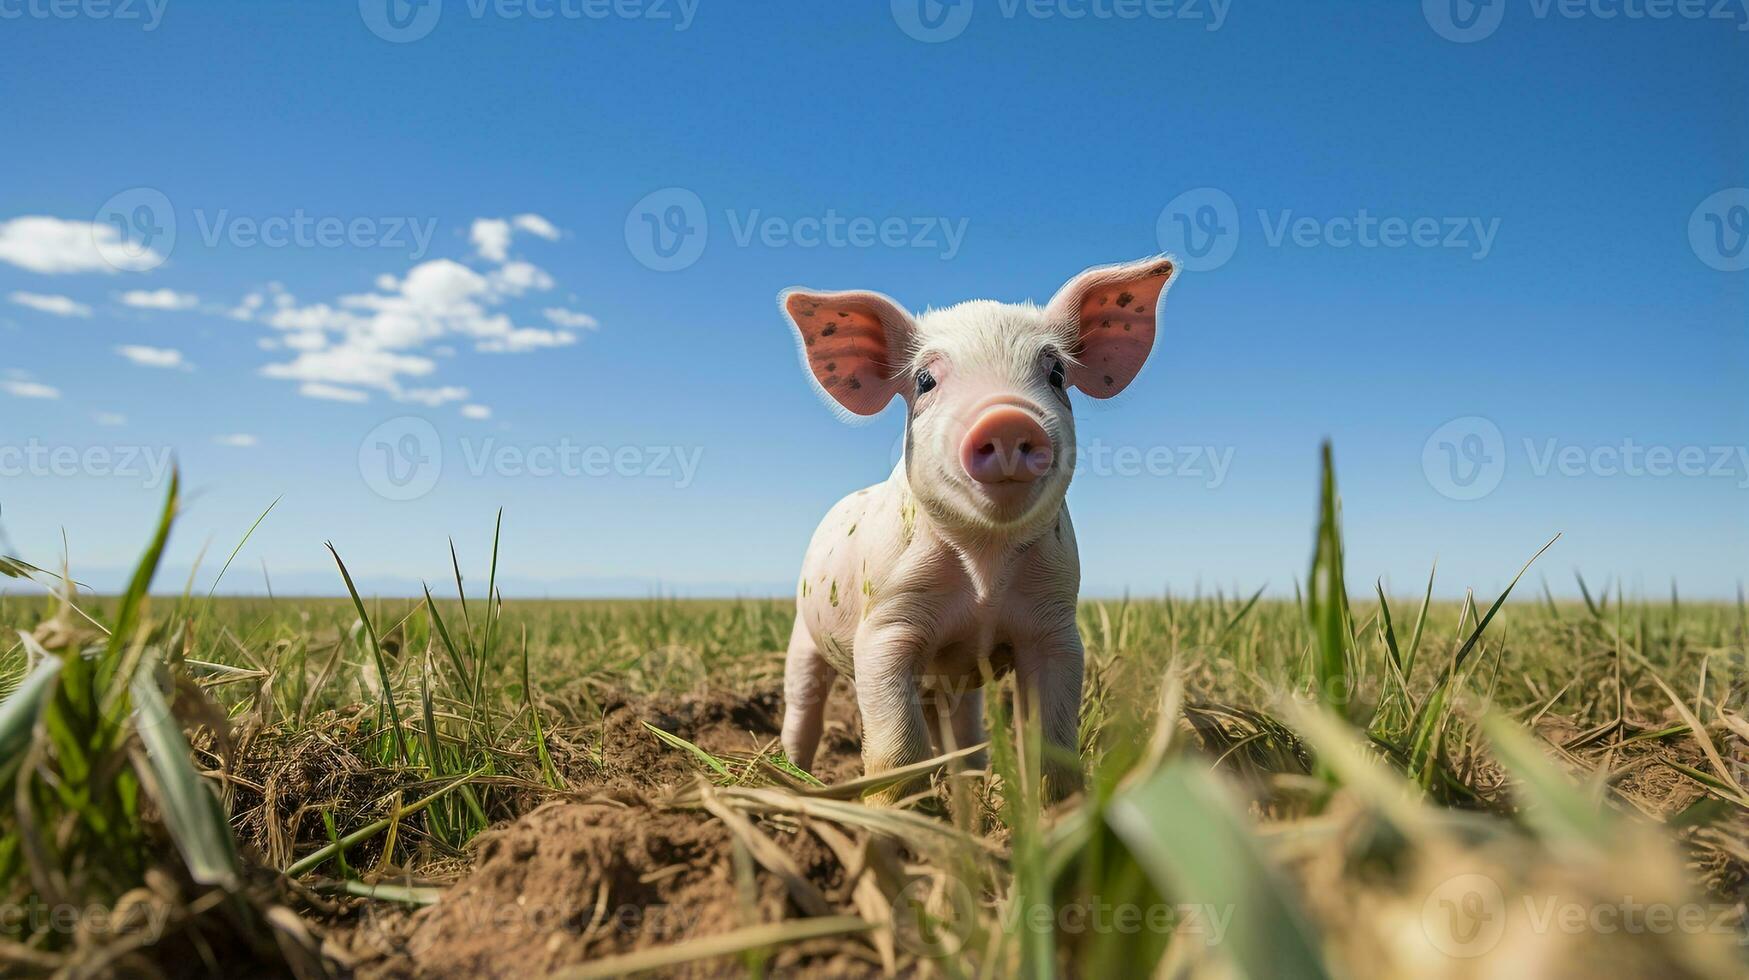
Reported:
(1006, 445)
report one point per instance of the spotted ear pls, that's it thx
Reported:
(1111, 311)
(853, 344)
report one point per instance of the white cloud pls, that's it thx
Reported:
(569, 318)
(54, 246)
(29, 389)
(491, 238)
(476, 412)
(536, 225)
(155, 357)
(238, 440)
(434, 396)
(386, 339)
(524, 339)
(333, 393)
(159, 299)
(55, 305)
(109, 418)
(245, 308)
(516, 278)
(352, 364)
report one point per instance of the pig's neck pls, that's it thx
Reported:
(987, 555)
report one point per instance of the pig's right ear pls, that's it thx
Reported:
(853, 343)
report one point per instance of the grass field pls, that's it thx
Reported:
(1337, 785)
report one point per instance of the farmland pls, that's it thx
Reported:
(1343, 783)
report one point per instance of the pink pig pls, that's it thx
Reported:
(963, 562)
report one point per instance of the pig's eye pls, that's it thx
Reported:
(1057, 373)
(925, 382)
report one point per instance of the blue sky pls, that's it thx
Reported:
(1559, 289)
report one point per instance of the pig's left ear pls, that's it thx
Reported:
(1111, 309)
(853, 343)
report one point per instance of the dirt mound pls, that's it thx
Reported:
(573, 882)
(724, 723)
(576, 881)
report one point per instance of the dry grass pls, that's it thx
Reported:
(1277, 788)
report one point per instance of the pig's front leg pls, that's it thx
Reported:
(894, 731)
(1047, 685)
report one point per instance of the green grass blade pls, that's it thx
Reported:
(1327, 601)
(548, 771)
(191, 811)
(676, 741)
(246, 536)
(1189, 835)
(376, 651)
(18, 712)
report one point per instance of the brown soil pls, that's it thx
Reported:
(611, 870)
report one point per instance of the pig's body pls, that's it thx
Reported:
(962, 566)
(950, 613)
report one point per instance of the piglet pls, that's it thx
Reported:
(961, 566)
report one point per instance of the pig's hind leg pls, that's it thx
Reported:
(807, 679)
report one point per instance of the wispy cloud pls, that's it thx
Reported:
(54, 305)
(387, 340)
(569, 318)
(159, 299)
(109, 418)
(333, 393)
(55, 246)
(476, 412)
(238, 440)
(154, 357)
(29, 389)
(491, 236)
